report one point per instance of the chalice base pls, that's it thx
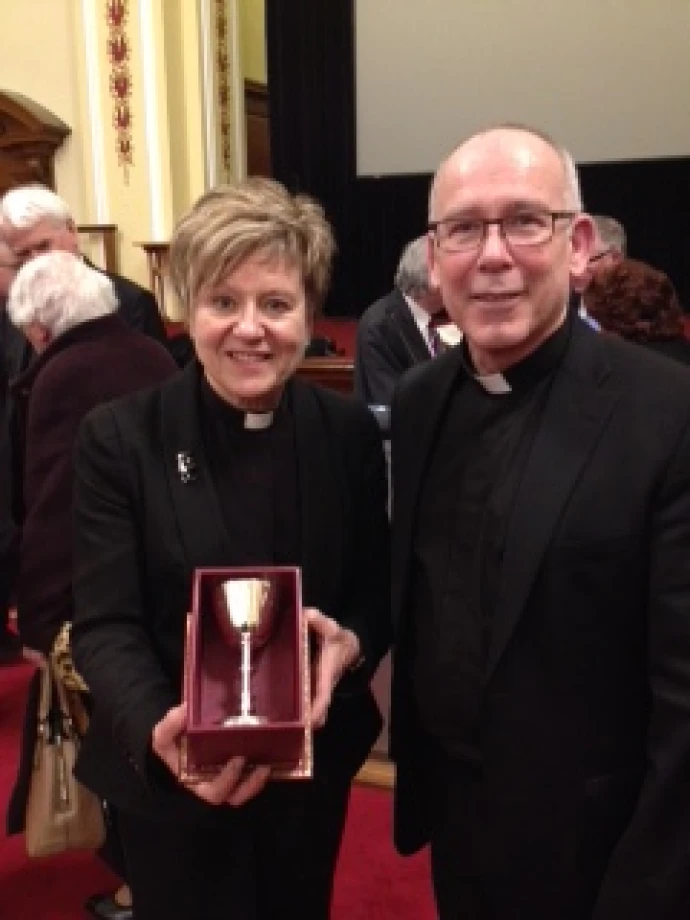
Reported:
(245, 720)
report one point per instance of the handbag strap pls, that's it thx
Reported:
(46, 693)
(48, 699)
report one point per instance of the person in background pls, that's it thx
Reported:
(609, 249)
(639, 303)
(541, 587)
(85, 355)
(399, 330)
(10, 644)
(610, 244)
(276, 472)
(35, 221)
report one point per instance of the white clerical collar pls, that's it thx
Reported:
(257, 421)
(493, 383)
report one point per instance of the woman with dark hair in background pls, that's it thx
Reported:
(639, 303)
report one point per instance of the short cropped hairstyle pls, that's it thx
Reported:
(59, 291)
(412, 274)
(572, 190)
(635, 301)
(230, 223)
(29, 204)
(611, 233)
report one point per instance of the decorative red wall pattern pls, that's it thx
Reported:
(223, 82)
(117, 14)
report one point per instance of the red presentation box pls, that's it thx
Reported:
(271, 724)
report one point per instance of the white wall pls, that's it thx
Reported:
(610, 79)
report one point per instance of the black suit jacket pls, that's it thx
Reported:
(676, 349)
(586, 710)
(138, 307)
(140, 533)
(388, 343)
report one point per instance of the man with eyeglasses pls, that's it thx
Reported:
(609, 249)
(610, 244)
(398, 330)
(541, 586)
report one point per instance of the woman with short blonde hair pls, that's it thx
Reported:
(232, 222)
(236, 462)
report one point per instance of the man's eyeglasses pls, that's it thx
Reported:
(533, 228)
(599, 255)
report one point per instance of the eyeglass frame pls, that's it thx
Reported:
(600, 255)
(433, 226)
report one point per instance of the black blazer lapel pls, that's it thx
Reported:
(409, 463)
(319, 500)
(581, 400)
(402, 325)
(202, 531)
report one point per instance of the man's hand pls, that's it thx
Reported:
(234, 785)
(338, 650)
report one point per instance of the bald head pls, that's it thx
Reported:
(507, 238)
(525, 146)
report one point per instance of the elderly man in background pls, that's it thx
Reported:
(608, 250)
(399, 330)
(86, 355)
(610, 243)
(35, 221)
(541, 587)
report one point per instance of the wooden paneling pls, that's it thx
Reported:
(29, 137)
(98, 242)
(335, 373)
(258, 129)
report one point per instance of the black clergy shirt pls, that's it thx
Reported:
(255, 475)
(472, 477)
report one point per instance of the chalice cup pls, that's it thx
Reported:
(245, 609)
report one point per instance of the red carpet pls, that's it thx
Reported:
(372, 883)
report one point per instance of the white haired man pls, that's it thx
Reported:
(35, 221)
(541, 587)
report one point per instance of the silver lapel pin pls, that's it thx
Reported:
(186, 467)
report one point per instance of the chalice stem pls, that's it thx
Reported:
(245, 671)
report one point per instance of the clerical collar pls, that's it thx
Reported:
(256, 421)
(235, 418)
(530, 370)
